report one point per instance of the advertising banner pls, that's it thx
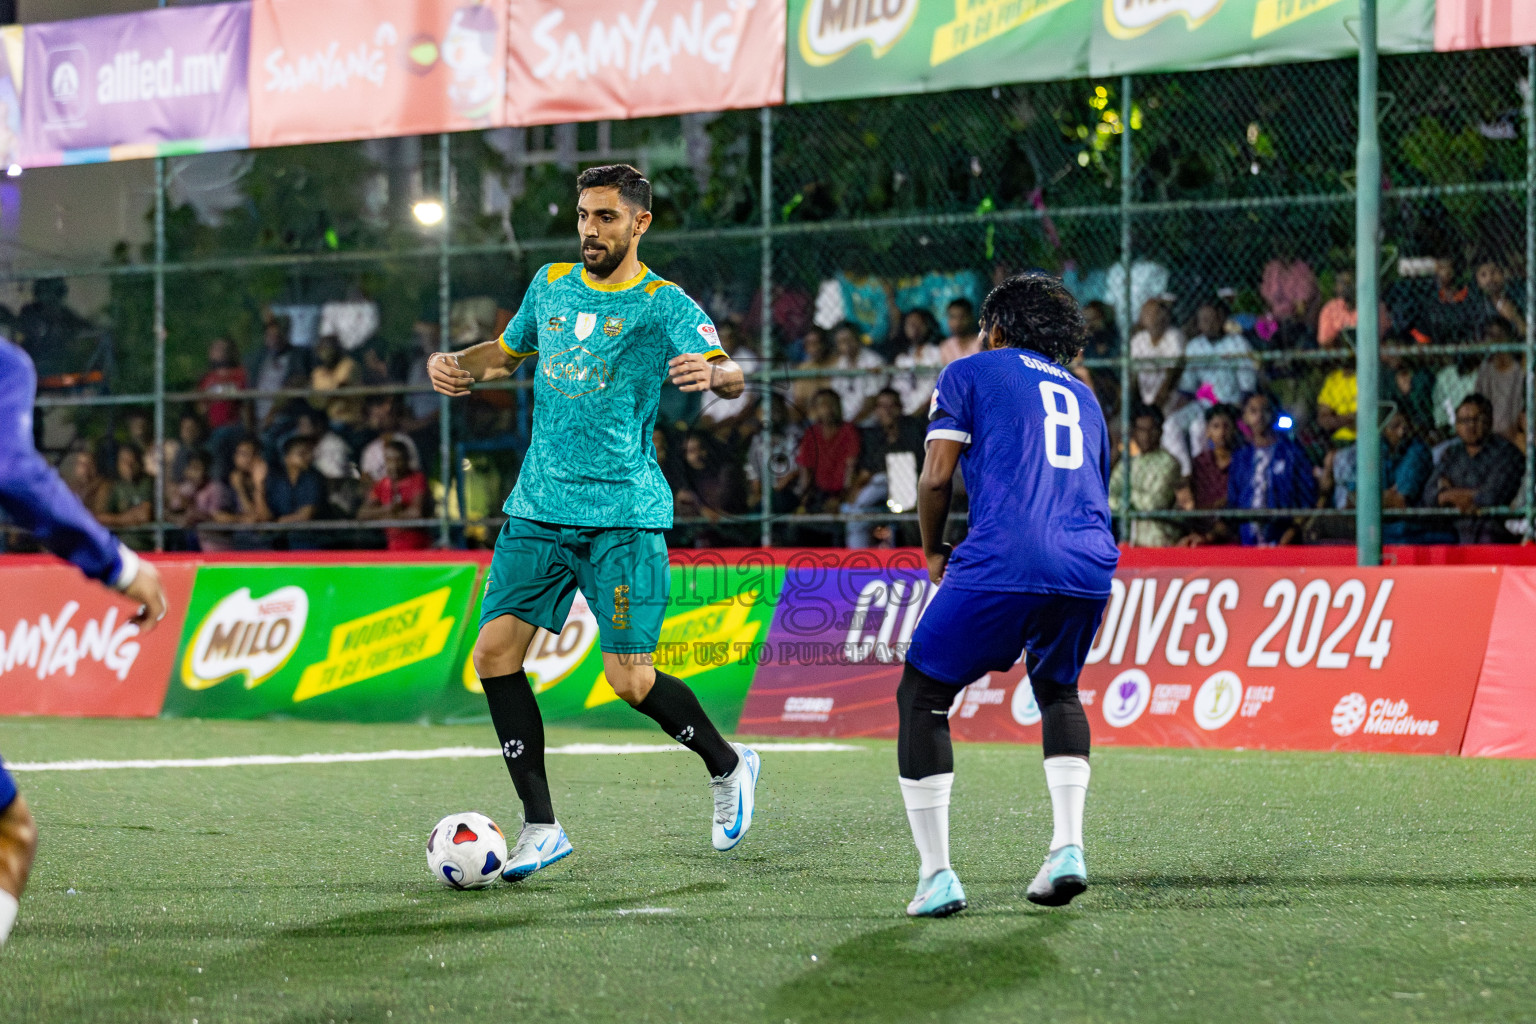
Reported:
(356, 69)
(847, 48)
(712, 638)
(154, 83)
(587, 60)
(67, 648)
(1327, 659)
(1188, 35)
(359, 643)
(1503, 719)
(1475, 24)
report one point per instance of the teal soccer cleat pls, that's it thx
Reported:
(938, 895)
(1062, 877)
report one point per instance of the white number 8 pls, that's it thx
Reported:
(1058, 414)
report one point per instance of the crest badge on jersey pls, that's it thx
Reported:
(612, 325)
(585, 322)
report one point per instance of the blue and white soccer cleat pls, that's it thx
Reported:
(735, 797)
(538, 846)
(1062, 877)
(938, 895)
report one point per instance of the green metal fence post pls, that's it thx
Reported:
(1127, 169)
(444, 297)
(1367, 281)
(765, 343)
(1529, 497)
(159, 333)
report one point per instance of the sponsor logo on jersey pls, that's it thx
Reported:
(1218, 700)
(576, 371)
(708, 331)
(245, 635)
(829, 29)
(585, 322)
(612, 325)
(1127, 697)
(556, 323)
(1127, 19)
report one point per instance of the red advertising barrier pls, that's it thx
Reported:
(66, 647)
(1321, 659)
(1503, 720)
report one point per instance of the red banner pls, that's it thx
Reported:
(589, 60)
(1325, 659)
(352, 69)
(1503, 719)
(66, 647)
(1476, 24)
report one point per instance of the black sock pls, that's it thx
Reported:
(520, 727)
(923, 746)
(677, 711)
(1063, 724)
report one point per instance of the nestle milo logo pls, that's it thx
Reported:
(246, 635)
(830, 28)
(576, 372)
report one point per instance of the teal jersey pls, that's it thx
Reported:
(602, 354)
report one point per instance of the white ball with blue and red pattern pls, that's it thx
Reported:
(466, 851)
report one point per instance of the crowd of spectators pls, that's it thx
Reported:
(1223, 416)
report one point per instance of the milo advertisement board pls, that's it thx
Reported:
(351, 642)
(713, 638)
(847, 48)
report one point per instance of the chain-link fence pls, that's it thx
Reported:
(1207, 220)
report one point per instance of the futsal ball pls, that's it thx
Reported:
(466, 851)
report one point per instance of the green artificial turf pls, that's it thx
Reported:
(1226, 887)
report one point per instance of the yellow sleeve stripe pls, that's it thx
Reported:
(557, 271)
(655, 286)
(502, 341)
(715, 353)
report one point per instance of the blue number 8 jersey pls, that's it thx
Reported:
(1037, 472)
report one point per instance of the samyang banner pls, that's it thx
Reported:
(1476, 24)
(155, 83)
(588, 60)
(1190, 35)
(67, 647)
(358, 69)
(848, 48)
(1325, 659)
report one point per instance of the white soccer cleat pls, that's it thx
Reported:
(1061, 878)
(735, 796)
(538, 846)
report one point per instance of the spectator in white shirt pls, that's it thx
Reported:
(857, 390)
(964, 334)
(920, 360)
(1229, 378)
(1156, 337)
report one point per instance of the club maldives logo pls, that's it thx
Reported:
(1218, 700)
(1127, 19)
(829, 29)
(1127, 697)
(1380, 717)
(246, 635)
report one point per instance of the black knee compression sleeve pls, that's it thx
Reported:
(922, 744)
(1063, 724)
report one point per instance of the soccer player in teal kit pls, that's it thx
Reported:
(590, 503)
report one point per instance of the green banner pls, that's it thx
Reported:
(363, 643)
(840, 49)
(1188, 35)
(713, 636)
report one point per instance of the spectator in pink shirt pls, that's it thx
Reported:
(1339, 313)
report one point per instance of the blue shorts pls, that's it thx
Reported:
(964, 634)
(7, 788)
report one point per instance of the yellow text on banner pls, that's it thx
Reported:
(980, 21)
(1273, 15)
(370, 646)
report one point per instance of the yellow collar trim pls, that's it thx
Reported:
(621, 286)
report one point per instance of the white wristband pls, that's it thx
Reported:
(130, 570)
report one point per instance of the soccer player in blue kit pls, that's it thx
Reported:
(34, 498)
(1033, 573)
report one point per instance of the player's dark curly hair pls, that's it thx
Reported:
(632, 186)
(1036, 312)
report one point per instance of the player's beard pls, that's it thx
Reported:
(604, 263)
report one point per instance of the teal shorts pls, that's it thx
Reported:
(622, 572)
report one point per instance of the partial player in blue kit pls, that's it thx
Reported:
(1032, 575)
(35, 499)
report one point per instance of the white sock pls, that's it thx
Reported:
(1067, 779)
(927, 803)
(8, 908)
